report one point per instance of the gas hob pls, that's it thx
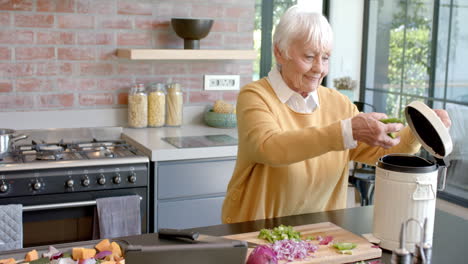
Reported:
(70, 148)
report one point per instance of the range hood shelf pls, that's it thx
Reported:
(185, 54)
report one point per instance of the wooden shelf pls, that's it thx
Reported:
(185, 54)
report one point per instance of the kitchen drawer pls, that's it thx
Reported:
(190, 213)
(193, 178)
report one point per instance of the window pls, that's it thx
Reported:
(417, 50)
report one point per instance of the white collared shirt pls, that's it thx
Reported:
(287, 96)
(299, 104)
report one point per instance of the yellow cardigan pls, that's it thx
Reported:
(291, 163)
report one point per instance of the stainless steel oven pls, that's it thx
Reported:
(58, 182)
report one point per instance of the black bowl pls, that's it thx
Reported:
(192, 30)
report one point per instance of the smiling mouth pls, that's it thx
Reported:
(312, 78)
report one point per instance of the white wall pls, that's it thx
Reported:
(311, 5)
(346, 18)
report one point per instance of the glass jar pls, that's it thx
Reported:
(156, 105)
(138, 106)
(175, 104)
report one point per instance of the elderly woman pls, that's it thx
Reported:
(296, 138)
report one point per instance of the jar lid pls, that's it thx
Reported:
(175, 87)
(157, 86)
(429, 129)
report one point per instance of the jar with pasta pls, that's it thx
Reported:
(156, 105)
(137, 107)
(175, 103)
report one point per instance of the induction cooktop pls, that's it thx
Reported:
(201, 141)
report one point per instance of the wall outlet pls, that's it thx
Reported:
(222, 82)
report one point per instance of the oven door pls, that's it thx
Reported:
(61, 218)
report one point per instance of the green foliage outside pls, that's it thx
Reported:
(409, 56)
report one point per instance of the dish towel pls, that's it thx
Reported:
(11, 227)
(119, 216)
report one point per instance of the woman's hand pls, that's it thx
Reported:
(368, 129)
(444, 117)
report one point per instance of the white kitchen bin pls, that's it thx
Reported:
(406, 185)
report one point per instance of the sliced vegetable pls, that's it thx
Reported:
(344, 246)
(324, 240)
(391, 120)
(311, 238)
(56, 255)
(279, 233)
(87, 261)
(262, 255)
(66, 261)
(52, 251)
(102, 254)
(347, 252)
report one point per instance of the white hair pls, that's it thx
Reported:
(296, 24)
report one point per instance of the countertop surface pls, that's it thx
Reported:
(149, 141)
(450, 232)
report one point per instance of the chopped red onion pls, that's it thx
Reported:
(324, 240)
(291, 249)
(56, 255)
(87, 261)
(262, 255)
(52, 251)
(102, 254)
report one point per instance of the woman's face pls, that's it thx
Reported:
(305, 68)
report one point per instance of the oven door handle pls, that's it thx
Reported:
(30, 208)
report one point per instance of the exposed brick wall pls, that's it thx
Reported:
(60, 54)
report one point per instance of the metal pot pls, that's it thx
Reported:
(6, 140)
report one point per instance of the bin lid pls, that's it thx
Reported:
(429, 129)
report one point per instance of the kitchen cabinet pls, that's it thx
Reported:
(190, 193)
(185, 54)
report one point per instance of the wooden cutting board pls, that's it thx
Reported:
(325, 253)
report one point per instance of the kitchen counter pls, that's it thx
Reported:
(149, 141)
(450, 232)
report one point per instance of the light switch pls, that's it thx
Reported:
(222, 82)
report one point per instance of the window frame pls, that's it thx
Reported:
(430, 99)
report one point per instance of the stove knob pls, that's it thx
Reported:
(132, 178)
(3, 188)
(37, 185)
(102, 180)
(117, 179)
(70, 183)
(85, 182)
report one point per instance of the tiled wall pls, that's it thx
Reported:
(60, 54)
